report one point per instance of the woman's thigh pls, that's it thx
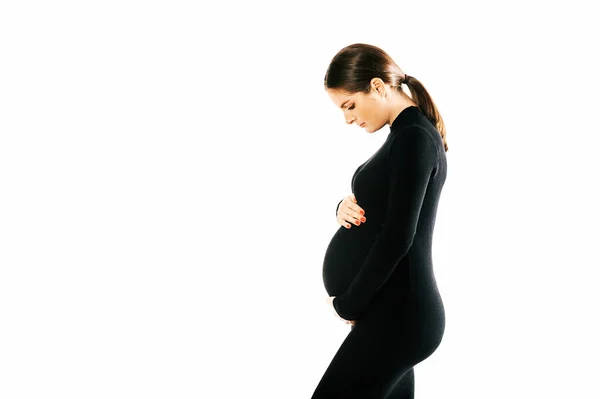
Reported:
(368, 364)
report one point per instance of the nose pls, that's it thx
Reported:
(349, 120)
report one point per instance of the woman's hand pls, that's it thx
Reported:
(330, 301)
(350, 212)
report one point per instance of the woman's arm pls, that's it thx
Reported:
(412, 159)
(338, 207)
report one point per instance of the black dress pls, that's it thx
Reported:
(381, 272)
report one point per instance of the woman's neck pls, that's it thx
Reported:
(398, 102)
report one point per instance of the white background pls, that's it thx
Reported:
(169, 173)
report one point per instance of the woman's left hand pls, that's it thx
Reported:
(330, 302)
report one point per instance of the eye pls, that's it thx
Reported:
(351, 107)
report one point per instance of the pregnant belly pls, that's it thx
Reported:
(345, 255)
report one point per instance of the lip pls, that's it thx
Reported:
(363, 124)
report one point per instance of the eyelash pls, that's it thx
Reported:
(351, 107)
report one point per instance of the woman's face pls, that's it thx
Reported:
(366, 110)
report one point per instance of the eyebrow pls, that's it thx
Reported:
(342, 106)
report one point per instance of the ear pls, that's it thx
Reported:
(378, 87)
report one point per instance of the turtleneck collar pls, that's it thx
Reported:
(404, 117)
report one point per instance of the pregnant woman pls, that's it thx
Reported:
(378, 268)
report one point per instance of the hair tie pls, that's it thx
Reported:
(405, 79)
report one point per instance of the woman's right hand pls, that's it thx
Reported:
(350, 212)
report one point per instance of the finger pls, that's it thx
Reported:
(362, 218)
(350, 217)
(345, 219)
(351, 207)
(358, 209)
(351, 221)
(358, 216)
(342, 222)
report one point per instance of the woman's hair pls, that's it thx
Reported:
(355, 65)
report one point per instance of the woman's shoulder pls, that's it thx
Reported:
(415, 138)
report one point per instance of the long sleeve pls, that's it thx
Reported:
(412, 159)
(338, 207)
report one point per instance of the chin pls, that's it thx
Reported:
(372, 130)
